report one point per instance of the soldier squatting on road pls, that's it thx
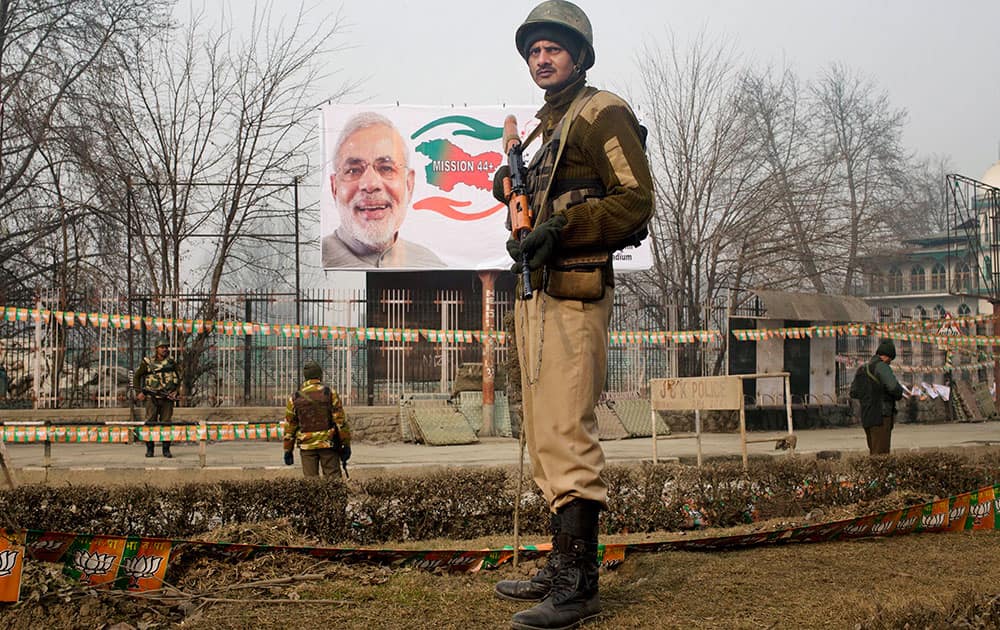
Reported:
(590, 190)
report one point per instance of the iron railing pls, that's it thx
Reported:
(50, 364)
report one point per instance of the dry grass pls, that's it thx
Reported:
(873, 584)
(914, 581)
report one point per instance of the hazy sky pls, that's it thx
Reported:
(938, 60)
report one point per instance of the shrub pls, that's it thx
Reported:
(470, 503)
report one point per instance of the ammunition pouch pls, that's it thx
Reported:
(582, 277)
(313, 413)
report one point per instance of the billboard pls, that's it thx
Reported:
(410, 188)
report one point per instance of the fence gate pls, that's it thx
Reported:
(450, 303)
(111, 377)
(47, 352)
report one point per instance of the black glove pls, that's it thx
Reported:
(498, 177)
(345, 453)
(541, 242)
(514, 249)
(289, 458)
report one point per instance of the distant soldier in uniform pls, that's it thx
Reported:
(158, 382)
(878, 405)
(315, 419)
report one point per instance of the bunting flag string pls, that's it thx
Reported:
(761, 334)
(296, 331)
(882, 330)
(140, 563)
(968, 341)
(104, 434)
(927, 324)
(903, 331)
(853, 362)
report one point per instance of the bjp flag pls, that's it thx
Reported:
(958, 513)
(11, 563)
(982, 509)
(48, 546)
(94, 560)
(143, 564)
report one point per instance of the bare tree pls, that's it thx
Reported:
(201, 149)
(839, 173)
(800, 177)
(924, 206)
(709, 182)
(49, 51)
(860, 135)
(212, 128)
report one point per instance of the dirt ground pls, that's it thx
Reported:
(939, 580)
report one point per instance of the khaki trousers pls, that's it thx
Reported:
(879, 437)
(562, 346)
(158, 411)
(313, 458)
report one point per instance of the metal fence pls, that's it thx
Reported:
(51, 364)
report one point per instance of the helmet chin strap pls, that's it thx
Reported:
(578, 63)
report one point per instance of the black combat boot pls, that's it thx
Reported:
(540, 584)
(166, 450)
(149, 449)
(573, 599)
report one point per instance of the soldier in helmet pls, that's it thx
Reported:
(591, 193)
(315, 419)
(158, 382)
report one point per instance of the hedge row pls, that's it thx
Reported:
(464, 504)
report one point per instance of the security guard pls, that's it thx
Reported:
(591, 192)
(315, 419)
(158, 381)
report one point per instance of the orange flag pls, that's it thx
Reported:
(11, 563)
(94, 560)
(143, 564)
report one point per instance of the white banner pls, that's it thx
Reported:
(419, 197)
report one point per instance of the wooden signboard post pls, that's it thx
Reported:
(715, 393)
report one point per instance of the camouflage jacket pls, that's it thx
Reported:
(602, 184)
(324, 438)
(161, 377)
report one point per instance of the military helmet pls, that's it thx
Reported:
(312, 370)
(561, 14)
(162, 340)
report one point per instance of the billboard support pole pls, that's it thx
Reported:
(298, 282)
(488, 278)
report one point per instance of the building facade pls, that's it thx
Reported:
(933, 275)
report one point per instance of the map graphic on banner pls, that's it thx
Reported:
(426, 190)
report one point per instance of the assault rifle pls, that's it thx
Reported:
(343, 465)
(515, 189)
(158, 394)
(339, 447)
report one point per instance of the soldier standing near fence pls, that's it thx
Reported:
(590, 190)
(157, 383)
(315, 419)
(878, 405)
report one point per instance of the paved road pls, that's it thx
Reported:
(88, 462)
